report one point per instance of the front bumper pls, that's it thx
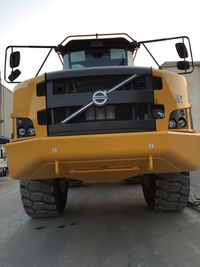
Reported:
(104, 156)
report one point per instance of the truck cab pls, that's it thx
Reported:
(98, 53)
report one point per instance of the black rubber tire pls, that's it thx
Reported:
(5, 172)
(166, 192)
(43, 198)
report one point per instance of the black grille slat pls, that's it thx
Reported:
(102, 127)
(91, 84)
(132, 96)
(121, 112)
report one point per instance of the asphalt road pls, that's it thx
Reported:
(104, 225)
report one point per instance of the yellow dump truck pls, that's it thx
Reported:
(101, 118)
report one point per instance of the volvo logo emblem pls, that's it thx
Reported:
(100, 98)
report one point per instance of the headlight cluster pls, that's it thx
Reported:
(25, 128)
(177, 119)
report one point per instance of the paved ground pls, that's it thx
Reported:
(102, 226)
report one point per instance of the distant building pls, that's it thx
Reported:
(6, 102)
(193, 83)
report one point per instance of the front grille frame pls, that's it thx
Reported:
(136, 96)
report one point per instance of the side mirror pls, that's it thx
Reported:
(183, 65)
(14, 59)
(181, 50)
(14, 74)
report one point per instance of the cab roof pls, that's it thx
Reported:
(97, 41)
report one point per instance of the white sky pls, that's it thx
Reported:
(48, 22)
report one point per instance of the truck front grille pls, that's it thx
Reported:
(129, 108)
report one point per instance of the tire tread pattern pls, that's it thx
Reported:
(39, 199)
(172, 191)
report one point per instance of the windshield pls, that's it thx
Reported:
(92, 58)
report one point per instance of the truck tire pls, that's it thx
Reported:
(5, 172)
(166, 192)
(43, 198)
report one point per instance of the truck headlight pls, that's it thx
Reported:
(21, 132)
(31, 131)
(172, 124)
(178, 119)
(25, 127)
(182, 123)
